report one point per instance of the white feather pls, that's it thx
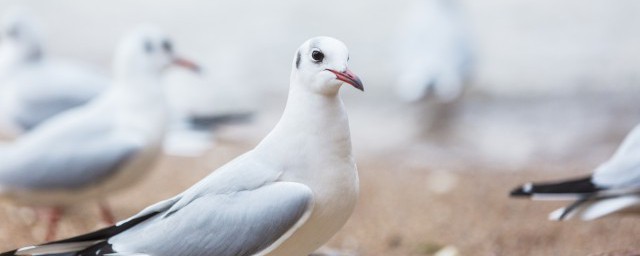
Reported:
(55, 248)
(608, 206)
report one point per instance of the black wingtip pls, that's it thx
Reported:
(582, 185)
(9, 253)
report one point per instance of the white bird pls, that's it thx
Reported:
(106, 145)
(33, 86)
(433, 52)
(613, 187)
(287, 196)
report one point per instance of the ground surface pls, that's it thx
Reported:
(414, 211)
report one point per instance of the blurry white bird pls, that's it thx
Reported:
(287, 196)
(33, 86)
(613, 187)
(106, 145)
(433, 52)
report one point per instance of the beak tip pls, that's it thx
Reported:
(348, 77)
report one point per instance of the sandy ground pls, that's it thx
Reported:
(413, 211)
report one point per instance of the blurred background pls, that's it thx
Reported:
(552, 87)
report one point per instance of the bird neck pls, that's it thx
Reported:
(140, 102)
(313, 123)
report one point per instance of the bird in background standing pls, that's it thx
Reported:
(287, 196)
(434, 55)
(613, 187)
(106, 145)
(34, 86)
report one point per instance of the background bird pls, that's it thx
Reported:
(34, 86)
(88, 152)
(287, 196)
(613, 187)
(433, 51)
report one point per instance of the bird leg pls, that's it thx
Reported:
(53, 215)
(105, 213)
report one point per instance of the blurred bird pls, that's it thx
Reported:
(287, 196)
(33, 86)
(613, 187)
(433, 52)
(108, 144)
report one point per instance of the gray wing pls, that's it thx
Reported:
(241, 223)
(53, 88)
(68, 161)
(35, 111)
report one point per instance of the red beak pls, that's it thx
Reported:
(185, 63)
(348, 77)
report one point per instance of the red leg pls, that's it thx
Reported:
(105, 213)
(53, 215)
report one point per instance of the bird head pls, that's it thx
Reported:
(321, 65)
(20, 37)
(148, 51)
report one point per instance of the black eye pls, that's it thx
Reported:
(317, 56)
(167, 46)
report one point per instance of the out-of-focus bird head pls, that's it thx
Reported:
(147, 51)
(321, 64)
(20, 36)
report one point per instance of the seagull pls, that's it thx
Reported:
(613, 187)
(287, 196)
(33, 86)
(433, 52)
(104, 146)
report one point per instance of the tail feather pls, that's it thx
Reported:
(567, 212)
(94, 243)
(9, 253)
(56, 248)
(605, 207)
(597, 207)
(568, 189)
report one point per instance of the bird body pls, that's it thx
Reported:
(136, 141)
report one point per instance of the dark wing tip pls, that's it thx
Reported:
(9, 253)
(574, 186)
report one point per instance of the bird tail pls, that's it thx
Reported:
(56, 249)
(594, 209)
(574, 189)
(94, 243)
